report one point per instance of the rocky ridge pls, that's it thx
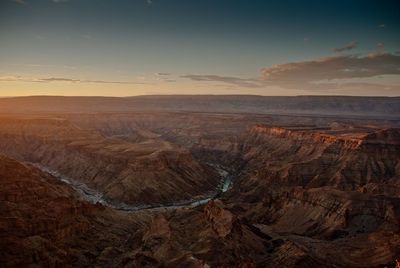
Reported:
(133, 173)
(303, 195)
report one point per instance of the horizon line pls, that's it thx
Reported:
(183, 95)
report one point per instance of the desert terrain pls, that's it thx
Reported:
(200, 181)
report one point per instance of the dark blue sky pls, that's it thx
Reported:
(202, 45)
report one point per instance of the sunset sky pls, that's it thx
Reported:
(136, 47)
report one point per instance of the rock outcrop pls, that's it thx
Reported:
(307, 191)
(41, 219)
(144, 173)
(316, 158)
(221, 220)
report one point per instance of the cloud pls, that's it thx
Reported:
(348, 46)
(382, 25)
(163, 77)
(87, 36)
(59, 79)
(242, 82)
(149, 2)
(333, 73)
(338, 67)
(327, 73)
(380, 46)
(365, 88)
(21, 2)
(35, 65)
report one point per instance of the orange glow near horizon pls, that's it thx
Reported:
(14, 89)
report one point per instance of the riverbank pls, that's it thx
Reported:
(95, 197)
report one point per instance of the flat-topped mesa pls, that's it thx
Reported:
(311, 134)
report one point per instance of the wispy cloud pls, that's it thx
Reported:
(328, 72)
(164, 77)
(87, 36)
(25, 3)
(351, 72)
(21, 2)
(59, 79)
(338, 67)
(35, 65)
(380, 46)
(348, 46)
(242, 82)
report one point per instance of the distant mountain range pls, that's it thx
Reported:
(385, 107)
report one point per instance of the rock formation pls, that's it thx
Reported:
(308, 191)
(148, 172)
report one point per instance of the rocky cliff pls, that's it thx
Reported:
(148, 172)
(307, 191)
(41, 218)
(315, 158)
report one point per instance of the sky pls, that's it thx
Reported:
(142, 47)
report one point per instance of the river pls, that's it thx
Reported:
(94, 196)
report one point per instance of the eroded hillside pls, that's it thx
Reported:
(272, 191)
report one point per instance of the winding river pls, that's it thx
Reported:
(94, 196)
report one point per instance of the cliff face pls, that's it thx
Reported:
(324, 190)
(43, 223)
(324, 213)
(37, 213)
(307, 136)
(148, 172)
(315, 158)
(310, 194)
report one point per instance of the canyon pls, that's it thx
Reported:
(164, 181)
